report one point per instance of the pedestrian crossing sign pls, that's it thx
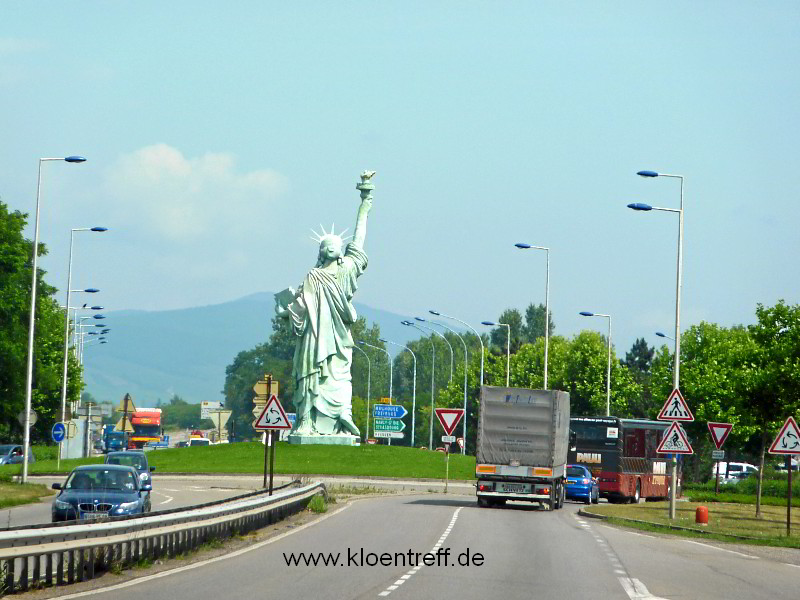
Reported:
(675, 408)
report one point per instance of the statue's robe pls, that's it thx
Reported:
(322, 315)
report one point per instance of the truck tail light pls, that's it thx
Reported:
(545, 490)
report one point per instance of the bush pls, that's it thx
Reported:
(775, 485)
(45, 452)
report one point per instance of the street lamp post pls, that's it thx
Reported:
(678, 285)
(466, 362)
(608, 372)
(446, 341)
(389, 358)
(66, 324)
(26, 434)
(546, 304)
(508, 346)
(433, 371)
(413, 387)
(440, 314)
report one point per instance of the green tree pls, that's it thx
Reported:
(499, 335)
(639, 362)
(179, 414)
(534, 323)
(48, 355)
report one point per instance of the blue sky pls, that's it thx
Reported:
(219, 135)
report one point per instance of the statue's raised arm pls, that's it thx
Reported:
(365, 187)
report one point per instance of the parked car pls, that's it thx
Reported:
(182, 444)
(733, 472)
(132, 458)
(581, 485)
(11, 454)
(199, 442)
(93, 491)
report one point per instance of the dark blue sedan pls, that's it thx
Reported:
(581, 485)
(94, 491)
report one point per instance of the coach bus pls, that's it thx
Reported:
(621, 455)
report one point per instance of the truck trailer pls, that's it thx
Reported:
(523, 439)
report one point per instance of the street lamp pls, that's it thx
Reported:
(508, 345)
(440, 314)
(389, 358)
(664, 335)
(433, 371)
(608, 372)
(466, 361)
(446, 341)
(546, 303)
(26, 434)
(676, 370)
(66, 324)
(369, 383)
(413, 387)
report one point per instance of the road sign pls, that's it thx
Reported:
(460, 442)
(719, 432)
(206, 408)
(396, 435)
(449, 418)
(260, 388)
(675, 441)
(379, 424)
(128, 426)
(372, 441)
(384, 400)
(448, 439)
(126, 404)
(788, 440)
(33, 418)
(220, 418)
(72, 430)
(58, 432)
(389, 411)
(718, 455)
(272, 417)
(675, 408)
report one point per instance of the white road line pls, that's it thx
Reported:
(636, 590)
(721, 549)
(168, 498)
(413, 571)
(202, 563)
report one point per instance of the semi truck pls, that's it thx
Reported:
(146, 424)
(522, 444)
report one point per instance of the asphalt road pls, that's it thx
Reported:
(509, 553)
(177, 491)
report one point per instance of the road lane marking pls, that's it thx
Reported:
(168, 498)
(413, 571)
(636, 589)
(203, 563)
(721, 549)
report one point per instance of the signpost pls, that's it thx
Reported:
(386, 420)
(675, 409)
(449, 418)
(675, 441)
(719, 433)
(787, 443)
(57, 433)
(272, 418)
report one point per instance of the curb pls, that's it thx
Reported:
(583, 513)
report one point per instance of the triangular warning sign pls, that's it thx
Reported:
(675, 441)
(449, 418)
(719, 432)
(675, 408)
(788, 440)
(272, 417)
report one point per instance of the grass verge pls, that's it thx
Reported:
(248, 457)
(726, 521)
(14, 494)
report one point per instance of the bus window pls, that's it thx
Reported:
(634, 443)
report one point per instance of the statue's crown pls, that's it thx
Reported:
(334, 237)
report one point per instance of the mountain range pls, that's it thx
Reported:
(154, 355)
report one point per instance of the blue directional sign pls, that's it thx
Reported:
(58, 432)
(389, 411)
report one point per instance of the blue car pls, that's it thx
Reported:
(132, 458)
(581, 485)
(94, 491)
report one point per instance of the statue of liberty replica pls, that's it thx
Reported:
(321, 315)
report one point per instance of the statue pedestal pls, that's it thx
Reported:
(325, 440)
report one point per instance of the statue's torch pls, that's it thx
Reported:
(366, 186)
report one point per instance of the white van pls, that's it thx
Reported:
(734, 471)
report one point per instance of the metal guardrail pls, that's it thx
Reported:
(65, 553)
